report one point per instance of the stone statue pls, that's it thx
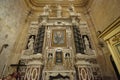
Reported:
(71, 9)
(86, 41)
(59, 11)
(46, 10)
(50, 61)
(87, 45)
(50, 56)
(31, 43)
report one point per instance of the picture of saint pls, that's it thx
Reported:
(59, 38)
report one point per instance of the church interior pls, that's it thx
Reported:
(59, 40)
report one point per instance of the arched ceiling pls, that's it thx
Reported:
(37, 4)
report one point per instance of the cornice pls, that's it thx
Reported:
(110, 28)
(36, 4)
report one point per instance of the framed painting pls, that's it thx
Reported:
(58, 38)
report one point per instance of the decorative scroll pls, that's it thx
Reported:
(116, 38)
(59, 77)
(89, 73)
(32, 73)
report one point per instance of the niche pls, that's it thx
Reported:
(29, 40)
(59, 55)
(50, 55)
(67, 55)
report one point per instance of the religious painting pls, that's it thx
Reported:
(58, 38)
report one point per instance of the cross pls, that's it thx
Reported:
(17, 74)
(18, 65)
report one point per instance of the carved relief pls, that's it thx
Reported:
(58, 51)
(115, 38)
(32, 73)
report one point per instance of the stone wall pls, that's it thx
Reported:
(11, 18)
(104, 12)
(101, 13)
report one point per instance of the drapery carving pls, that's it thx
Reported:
(59, 76)
(62, 74)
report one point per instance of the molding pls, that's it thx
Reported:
(36, 4)
(110, 28)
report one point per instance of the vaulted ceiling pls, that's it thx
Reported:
(37, 4)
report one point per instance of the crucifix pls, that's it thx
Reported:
(17, 73)
(3, 46)
(18, 65)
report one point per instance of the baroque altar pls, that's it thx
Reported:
(59, 48)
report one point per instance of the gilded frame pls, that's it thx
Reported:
(117, 49)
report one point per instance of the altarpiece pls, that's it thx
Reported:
(59, 50)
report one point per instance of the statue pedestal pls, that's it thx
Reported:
(33, 70)
(88, 67)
